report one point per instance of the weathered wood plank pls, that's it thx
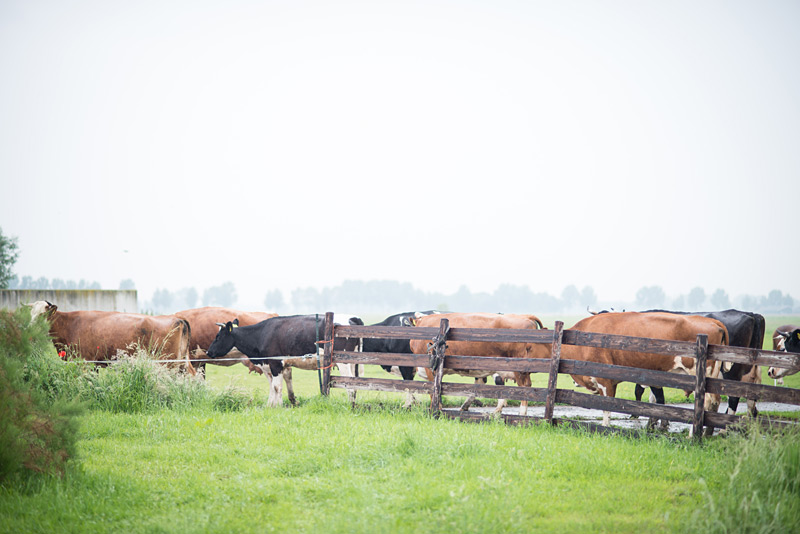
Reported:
(628, 374)
(757, 392)
(611, 404)
(509, 335)
(382, 384)
(768, 358)
(456, 389)
(521, 420)
(381, 358)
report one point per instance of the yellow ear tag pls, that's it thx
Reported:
(236, 326)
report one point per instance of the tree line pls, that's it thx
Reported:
(388, 296)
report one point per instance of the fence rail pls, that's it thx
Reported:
(554, 365)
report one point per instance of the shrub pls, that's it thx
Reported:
(37, 432)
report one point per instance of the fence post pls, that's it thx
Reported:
(555, 362)
(327, 354)
(701, 356)
(437, 351)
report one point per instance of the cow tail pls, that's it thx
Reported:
(185, 346)
(759, 332)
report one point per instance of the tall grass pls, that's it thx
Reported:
(761, 492)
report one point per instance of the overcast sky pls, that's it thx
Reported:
(303, 143)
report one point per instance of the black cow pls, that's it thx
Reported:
(396, 346)
(745, 329)
(293, 335)
(791, 343)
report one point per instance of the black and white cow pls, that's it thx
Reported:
(397, 346)
(790, 341)
(745, 329)
(293, 335)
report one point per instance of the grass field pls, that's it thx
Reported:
(323, 467)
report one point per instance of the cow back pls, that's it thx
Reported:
(478, 320)
(654, 325)
(203, 322)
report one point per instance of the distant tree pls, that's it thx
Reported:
(749, 302)
(58, 283)
(306, 300)
(650, 297)
(720, 300)
(273, 300)
(221, 295)
(512, 298)
(188, 297)
(679, 303)
(777, 302)
(571, 297)
(41, 283)
(127, 284)
(588, 297)
(162, 301)
(8, 257)
(696, 299)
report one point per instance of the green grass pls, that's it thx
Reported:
(322, 467)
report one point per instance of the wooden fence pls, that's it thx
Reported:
(699, 384)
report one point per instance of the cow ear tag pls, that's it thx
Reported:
(798, 336)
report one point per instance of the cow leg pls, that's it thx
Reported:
(467, 403)
(408, 374)
(657, 396)
(287, 377)
(609, 389)
(410, 400)
(350, 370)
(523, 381)
(638, 391)
(275, 369)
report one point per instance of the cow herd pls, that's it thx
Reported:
(225, 336)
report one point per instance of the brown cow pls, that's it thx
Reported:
(98, 335)
(204, 325)
(483, 348)
(650, 325)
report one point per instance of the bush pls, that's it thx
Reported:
(37, 431)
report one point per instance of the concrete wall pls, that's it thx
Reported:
(73, 299)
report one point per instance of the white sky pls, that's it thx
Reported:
(301, 143)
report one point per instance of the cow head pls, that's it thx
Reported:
(353, 343)
(224, 341)
(791, 343)
(42, 307)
